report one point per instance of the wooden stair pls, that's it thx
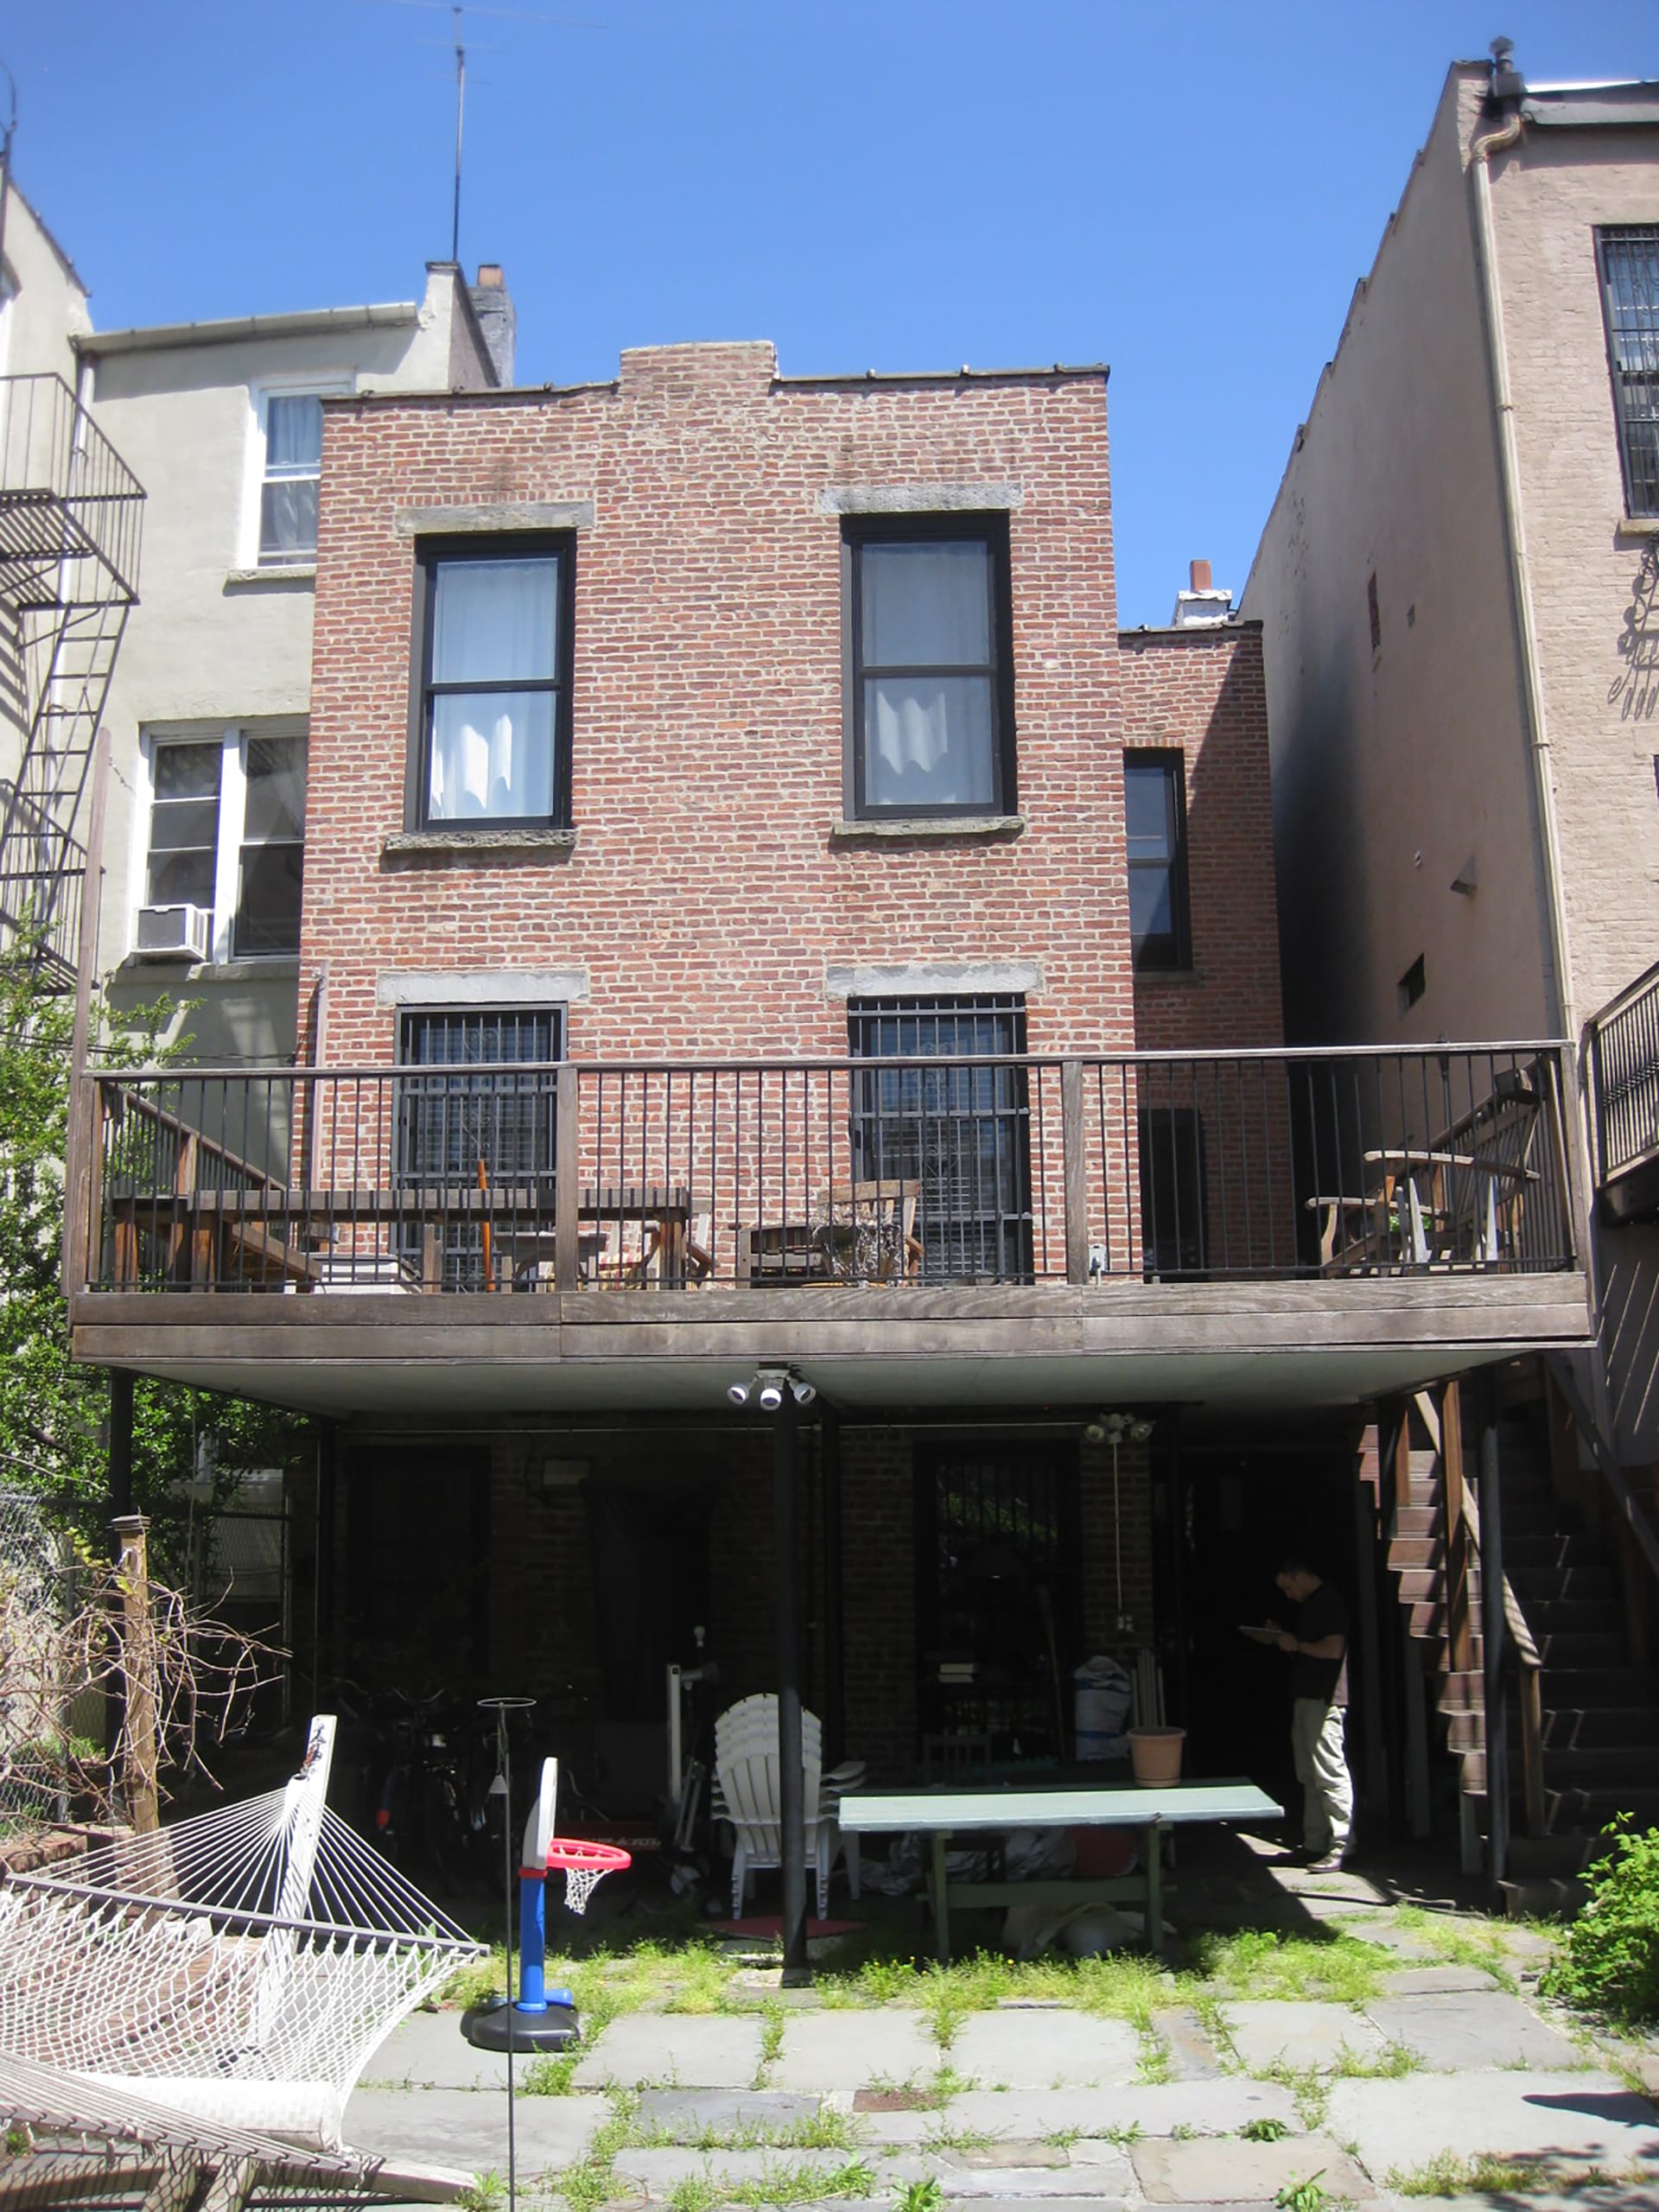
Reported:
(1595, 1714)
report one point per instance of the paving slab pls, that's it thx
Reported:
(1188, 2051)
(688, 2050)
(1046, 2050)
(845, 2050)
(1003, 2184)
(1156, 2108)
(660, 2172)
(1591, 2117)
(1298, 2032)
(691, 2113)
(427, 2051)
(1615, 2196)
(1010, 2203)
(1435, 1981)
(1201, 2173)
(1449, 2032)
(468, 2128)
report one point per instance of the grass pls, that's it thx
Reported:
(1258, 1962)
(1460, 1943)
(1309, 2090)
(550, 2075)
(780, 2184)
(1448, 2175)
(1388, 2064)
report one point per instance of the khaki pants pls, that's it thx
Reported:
(1322, 1770)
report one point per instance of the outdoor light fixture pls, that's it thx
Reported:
(766, 1389)
(1115, 1429)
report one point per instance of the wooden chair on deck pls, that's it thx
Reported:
(866, 1231)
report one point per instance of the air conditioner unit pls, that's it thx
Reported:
(175, 933)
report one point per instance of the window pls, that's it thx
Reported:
(1630, 292)
(960, 1133)
(292, 472)
(1412, 985)
(494, 700)
(930, 667)
(454, 1114)
(227, 835)
(1154, 811)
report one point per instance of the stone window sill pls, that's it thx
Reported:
(479, 847)
(300, 573)
(1637, 526)
(959, 828)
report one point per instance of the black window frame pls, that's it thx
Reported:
(488, 545)
(1166, 951)
(1634, 428)
(991, 530)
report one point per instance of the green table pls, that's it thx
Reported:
(953, 1809)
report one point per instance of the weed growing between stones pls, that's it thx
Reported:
(921, 2196)
(549, 2075)
(1265, 2131)
(1308, 2196)
(1385, 2065)
(1459, 1942)
(1448, 2175)
(1308, 2088)
(1260, 1962)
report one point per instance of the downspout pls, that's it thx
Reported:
(1480, 156)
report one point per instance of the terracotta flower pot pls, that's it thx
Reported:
(1155, 1754)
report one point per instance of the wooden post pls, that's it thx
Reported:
(141, 1761)
(1373, 1747)
(1532, 1747)
(1495, 1637)
(1076, 1183)
(567, 1189)
(1402, 1454)
(1458, 1638)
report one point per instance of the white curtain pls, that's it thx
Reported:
(928, 740)
(491, 756)
(495, 621)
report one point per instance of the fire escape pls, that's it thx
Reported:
(71, 513)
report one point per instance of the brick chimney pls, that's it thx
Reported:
(1202, 603)
(497, 317)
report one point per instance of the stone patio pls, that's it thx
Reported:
(1038, 2102)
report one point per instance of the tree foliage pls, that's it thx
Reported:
(54, 1412)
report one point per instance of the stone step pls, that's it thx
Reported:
(1544, 1896)
(1531, 1856)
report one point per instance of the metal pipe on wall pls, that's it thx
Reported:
(792, 1778)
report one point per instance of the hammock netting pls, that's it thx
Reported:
(244, 1964)
(65, 2141)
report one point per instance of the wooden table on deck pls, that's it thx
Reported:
(955, 1809)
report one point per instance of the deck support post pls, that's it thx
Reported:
(835, 1666)
(791, 1779)
(118, 1463)
(1496, 1635)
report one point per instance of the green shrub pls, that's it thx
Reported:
(1608, 1960)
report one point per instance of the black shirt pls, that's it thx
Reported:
(1323, 1614)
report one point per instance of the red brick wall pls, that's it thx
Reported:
(1200, 692)
(705, 896)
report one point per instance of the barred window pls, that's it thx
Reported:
(1629, 256)
(960, 1132)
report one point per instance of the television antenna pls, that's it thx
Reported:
(456, 9)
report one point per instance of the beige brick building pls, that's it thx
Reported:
(1457, 585)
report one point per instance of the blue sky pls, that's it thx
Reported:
(1187, 192)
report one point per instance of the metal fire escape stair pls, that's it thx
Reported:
(70, 519)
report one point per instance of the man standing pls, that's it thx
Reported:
(1318, 1690)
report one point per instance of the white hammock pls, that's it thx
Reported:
(243, 1965)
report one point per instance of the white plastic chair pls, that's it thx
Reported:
(748, 1794)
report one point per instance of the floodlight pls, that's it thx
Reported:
(803, 1391)
(771, 1394)
(738, 1392)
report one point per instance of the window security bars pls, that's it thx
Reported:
(462, 1168)
(958, 1132)
(1629, 290)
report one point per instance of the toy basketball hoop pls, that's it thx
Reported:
(584, 1866)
